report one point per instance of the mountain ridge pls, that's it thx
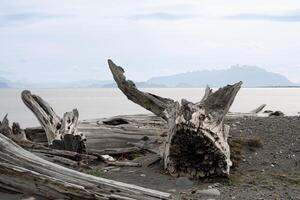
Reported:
(252, 76)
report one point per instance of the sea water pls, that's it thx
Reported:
(107, 102)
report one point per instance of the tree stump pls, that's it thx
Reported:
(197, 140)
(61, 133)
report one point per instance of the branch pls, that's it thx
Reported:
(44, 113)
(151, 102)
(218, 103)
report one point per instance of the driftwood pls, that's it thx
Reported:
(25, 172)
(196, 145)
(15, 133)
(61, 133)
(252, 113)
(66, 158)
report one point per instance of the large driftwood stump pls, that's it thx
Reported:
(61, 133)
(197, 140)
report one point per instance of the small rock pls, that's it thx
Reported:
(184, 183)
(172, 190)
(210, 192)
(143, 175)
(108, 158)
(28, 198)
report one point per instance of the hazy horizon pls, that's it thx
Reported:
(51, 40)
(252, 77)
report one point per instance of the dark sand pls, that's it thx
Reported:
(267, 165)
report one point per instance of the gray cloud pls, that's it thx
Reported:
(25, 18)
(161, 16)
(289, 17)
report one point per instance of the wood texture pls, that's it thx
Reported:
(25, 172)
(61, 133)
(197, 138)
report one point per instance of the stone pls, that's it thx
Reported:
(209, 192)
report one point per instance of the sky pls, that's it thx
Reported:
(71, 40)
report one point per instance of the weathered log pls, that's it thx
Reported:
(61, 133)
(115, 151)
(110, 139)
(252, 113)
(66, 154)
(25, 172)
(197, 140)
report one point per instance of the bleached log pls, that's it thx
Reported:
(252, 113)
(61, 133)
(197, 140)
(28, 173)
(121, 139)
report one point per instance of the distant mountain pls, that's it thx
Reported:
(250, 75)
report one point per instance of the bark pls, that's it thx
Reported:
(196, 145)
(61, 133)
(25, 172)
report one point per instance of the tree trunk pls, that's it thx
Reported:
(61, 133)
(197, 140)
(25, 172)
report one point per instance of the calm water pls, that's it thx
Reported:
(97, 103)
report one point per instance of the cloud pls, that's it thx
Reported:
(25, 18)
(161, 16)
(288, 17)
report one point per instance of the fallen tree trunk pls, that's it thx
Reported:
(197, 140)
(115, 139)
(25, 172)
(61, 133)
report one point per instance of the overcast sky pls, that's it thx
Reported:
(72, 39)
